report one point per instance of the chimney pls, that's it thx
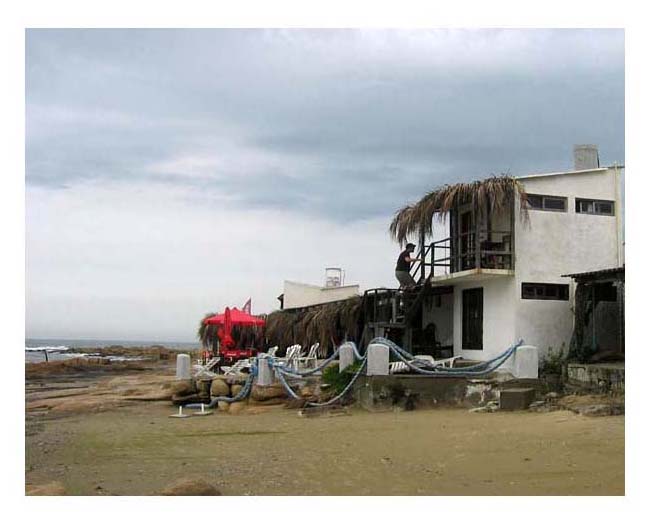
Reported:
(586, 157)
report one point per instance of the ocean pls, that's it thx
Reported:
(35, 348)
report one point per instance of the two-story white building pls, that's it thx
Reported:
(497, 277)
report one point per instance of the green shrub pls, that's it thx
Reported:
(338, 381)
(553, 362)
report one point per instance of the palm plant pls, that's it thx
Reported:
(207, 333)
(493, 193)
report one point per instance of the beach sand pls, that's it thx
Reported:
(90, 437)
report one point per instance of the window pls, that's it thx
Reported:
(594, 207)
(472, 318)
(605, 292)
(547, 202)
(533, 291)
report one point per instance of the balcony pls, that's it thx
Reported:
(480, 249)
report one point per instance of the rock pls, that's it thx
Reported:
(237, 407)
(267, 392)
(219, 388)
(191, 488)
(481, 409)
(307, 391)
(552, 395)
(204, 390)
(179, 400)
(49, 489)
(223, 406)
(238, 378)
(183, 387)
(235, 389)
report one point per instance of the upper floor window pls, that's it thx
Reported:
(594, 207)
(547, 202)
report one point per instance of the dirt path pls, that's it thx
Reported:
(137, 450)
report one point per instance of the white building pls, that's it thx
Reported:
(298, 294)
(503, 277)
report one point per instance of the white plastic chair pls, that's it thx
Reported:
(311, 357)
(401, 367)
(292, 355)
(237, 367)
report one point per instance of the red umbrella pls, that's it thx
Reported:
(238, 318)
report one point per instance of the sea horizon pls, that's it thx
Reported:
(35, 348)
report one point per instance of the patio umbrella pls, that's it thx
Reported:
(237, 318)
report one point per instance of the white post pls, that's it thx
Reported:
(265, 375)
(346, 356)
(524, 363)
(377, 359)
(183, 367)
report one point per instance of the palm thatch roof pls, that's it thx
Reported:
(496, 192)
(329, 324)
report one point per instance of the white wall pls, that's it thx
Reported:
(556, 243)
(296, 294)
(498, 317)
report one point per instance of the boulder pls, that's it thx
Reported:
(178, 400)
(204, 390)
(307, 391)
(190, 488)
(223, 406)
(238, 378)
(235, 389)
(267, 392)
(219, 388)
(183, 387)
(50, 489)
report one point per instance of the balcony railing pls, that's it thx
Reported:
(466, 251)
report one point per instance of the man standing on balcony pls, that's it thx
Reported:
(403, 265)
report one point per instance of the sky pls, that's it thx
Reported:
(170, 173)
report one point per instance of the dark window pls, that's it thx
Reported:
(605, 292)
(472, 318)
(594, 207)
(535, 291)
(546, 202)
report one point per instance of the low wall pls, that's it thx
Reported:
(379, 393)
(603, 377)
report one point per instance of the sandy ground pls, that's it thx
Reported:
(102, 442)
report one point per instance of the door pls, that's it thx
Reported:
(467, 239)
(472, 300)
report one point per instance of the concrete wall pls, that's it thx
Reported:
(557, 243)
(498, 317)
(551, 244)
(296, 294)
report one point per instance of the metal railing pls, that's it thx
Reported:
(465, 251)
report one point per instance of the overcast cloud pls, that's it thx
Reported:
(174, 172)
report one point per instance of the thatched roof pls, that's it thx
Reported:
(497, 192)
(329, 324)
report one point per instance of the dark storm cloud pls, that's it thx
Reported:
(345, 124)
